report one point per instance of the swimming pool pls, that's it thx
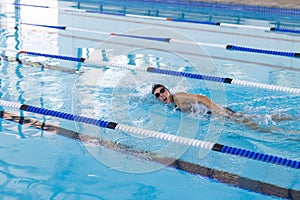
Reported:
(37, 164)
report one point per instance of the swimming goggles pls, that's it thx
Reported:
(162, 90)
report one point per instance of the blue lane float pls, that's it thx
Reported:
(262, 51)
(284, 30)
(259, 156)
(100, 123)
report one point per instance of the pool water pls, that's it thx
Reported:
(39, 164)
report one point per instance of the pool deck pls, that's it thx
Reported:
(268, 3)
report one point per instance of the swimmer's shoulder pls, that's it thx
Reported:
(180, 93)
(183, 95)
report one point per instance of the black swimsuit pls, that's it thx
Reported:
(208, 113)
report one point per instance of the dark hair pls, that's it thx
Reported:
(155, 86)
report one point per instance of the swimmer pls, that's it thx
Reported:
(191, 103)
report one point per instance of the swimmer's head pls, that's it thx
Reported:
(155, 86)
(161, 93)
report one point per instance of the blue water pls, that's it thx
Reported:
(37, 164)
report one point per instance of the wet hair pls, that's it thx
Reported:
(155, 86)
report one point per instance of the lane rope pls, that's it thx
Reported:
(70, 70)
(156, 134)
(164, 71)
(169, 40)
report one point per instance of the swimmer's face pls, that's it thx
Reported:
(163, 95)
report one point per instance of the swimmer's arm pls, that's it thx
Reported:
(212, 106)
(187, 98)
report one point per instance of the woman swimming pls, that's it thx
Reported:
(189, 103)
(196, 103)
